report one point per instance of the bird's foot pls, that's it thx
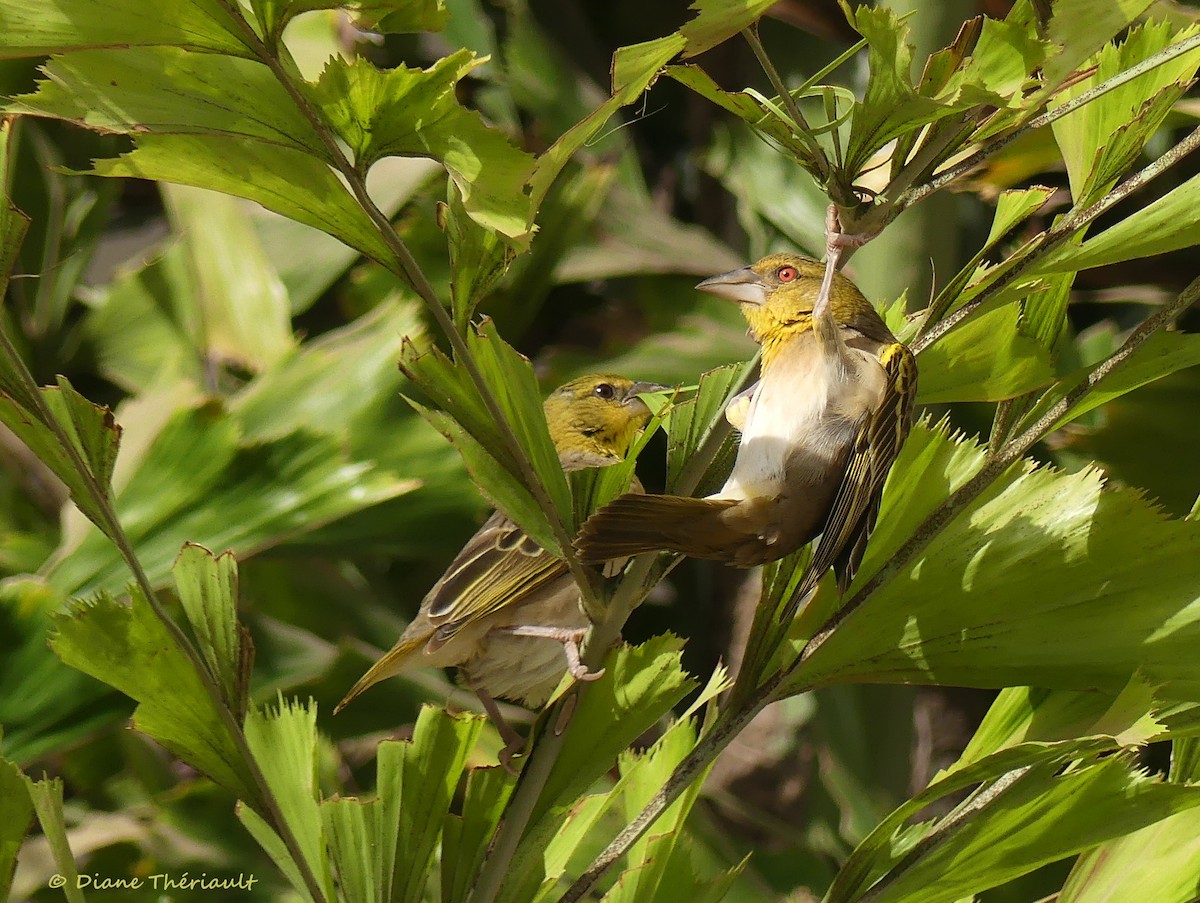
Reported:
(514, 743)
(570, 638)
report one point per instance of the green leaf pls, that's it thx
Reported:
(1160, 862)
(207, 587)
(1160, 355)
(13, 225)
(129, 648)
(510, 378)
(201, 482)
(244, 314)
(89, 430)
(382, 16)
(634, 69)
(1103, 139)
(1080, 28)
(414, 112)
(123, 91)
(467, 837)
(693, 421)
(749, 109)
(286, 181)
(890, 105)
(283, 741)
(1161, 226)
(416, 785)
(47, 799)
(206, 25)
(719, 20)
(1042, 818)
(351, 828)
(661, 852)
(640, 685)
(1039, 555)
(16, 816)
(1027, 714)
(478, 258)
(988, 358)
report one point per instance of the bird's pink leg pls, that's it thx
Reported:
(513, 742)
(568, 636)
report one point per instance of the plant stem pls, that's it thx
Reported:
(1055, 236)
(728, 726)
(966, 165)
(802, 130)
(945, 829)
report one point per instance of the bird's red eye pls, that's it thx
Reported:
(786, 274)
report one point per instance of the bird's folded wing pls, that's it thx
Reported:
(856, 504)
(500, 566)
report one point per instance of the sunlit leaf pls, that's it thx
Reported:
(286, 181)
(1159, 862)
(244, 317)
(129, 648)
(890, 104)
(416, 784)
(90, 434)
(382, 16)
(1038, 556)
(1080, 28)
(16, 816)
(988, 358)
(351, 827)
(122, 91)
(719, 20)
(283, 740)
(1025, 714)
(1102, 140)
(639, 685)
(207, 587)
(466, 837)
(59, 25)
(1161, 226)
(414, 112)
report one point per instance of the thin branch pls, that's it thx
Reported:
(966, 165)
(945, 829)
(707, 748)
(1050, 239)
(802, 129)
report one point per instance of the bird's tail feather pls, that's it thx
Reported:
(636, 523)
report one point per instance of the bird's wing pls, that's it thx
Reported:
(498, 567)
(856, 504)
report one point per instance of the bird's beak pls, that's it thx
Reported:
(744, 286)
(639, 387)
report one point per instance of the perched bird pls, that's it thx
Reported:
(506, 612)
(820, 430)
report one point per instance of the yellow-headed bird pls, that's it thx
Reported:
(820, 430)
(506, 612)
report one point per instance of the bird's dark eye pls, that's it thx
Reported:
(786, 273)
(605, 391)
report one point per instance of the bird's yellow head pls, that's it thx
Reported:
(596, 417)
(777, 295)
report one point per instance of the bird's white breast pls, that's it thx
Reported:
(802, 401)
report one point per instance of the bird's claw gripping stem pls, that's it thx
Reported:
(570, 639)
